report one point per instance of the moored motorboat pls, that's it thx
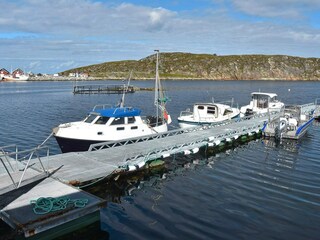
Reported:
(207, 114)
(113, 123)
(262, 103)
(291, 123)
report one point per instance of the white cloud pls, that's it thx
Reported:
(275, 8)
(34, 65)
(58, 35)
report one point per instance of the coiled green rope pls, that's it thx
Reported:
(46, 205)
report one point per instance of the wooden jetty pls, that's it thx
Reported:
(100, 89)
(103, 160)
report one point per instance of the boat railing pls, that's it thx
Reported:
(308, 109)
(101, 107)
(16, 163)
(230, 103)
(316, 112)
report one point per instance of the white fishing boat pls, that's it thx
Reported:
(291, 123)
(207, 114)
(112, 123)
(262, 103)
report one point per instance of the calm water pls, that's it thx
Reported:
(258, 190)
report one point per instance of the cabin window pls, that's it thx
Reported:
(90, 118)
(262, 101)
(102, 120)
(131, 120)
(118, 121)
(211, 110)
(201, 107)
(134, 127)
(227, 112)
(120, 128)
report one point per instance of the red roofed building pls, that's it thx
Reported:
(4, 72)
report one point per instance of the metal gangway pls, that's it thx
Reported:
(16, 168)
(189, 140)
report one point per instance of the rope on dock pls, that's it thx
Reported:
(46, 205)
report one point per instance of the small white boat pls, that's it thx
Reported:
(262, 103)
(291, 123)
(207, 114)
(106, 123)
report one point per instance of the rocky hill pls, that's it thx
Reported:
(206, 66)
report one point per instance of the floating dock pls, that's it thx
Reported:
(100, 89)
(21, 186)
(22, 215)
(103, 160)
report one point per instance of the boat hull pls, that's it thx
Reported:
(296, 134)
(74, 145)
(71, 144)
(189, 123)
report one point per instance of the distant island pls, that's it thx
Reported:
(207, 66)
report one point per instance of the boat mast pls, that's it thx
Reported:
(156, 88)
(125, 89)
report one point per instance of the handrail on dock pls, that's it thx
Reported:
(111, 144)
(141, 158)
(28, 155)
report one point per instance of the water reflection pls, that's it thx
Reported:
(286, 144)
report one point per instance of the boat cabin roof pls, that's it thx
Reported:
(218, 105)
(118, 112)
(271, 95)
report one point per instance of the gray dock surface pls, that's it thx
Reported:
(77, 167)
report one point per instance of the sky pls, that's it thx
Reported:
(50, 36)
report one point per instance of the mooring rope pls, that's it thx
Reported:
(46, 205)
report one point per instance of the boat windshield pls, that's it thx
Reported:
(261, 101)
(118, 121)
(102, 120)
(227, 112)
(274, 99)
(90, 118)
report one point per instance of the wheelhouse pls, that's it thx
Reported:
(262, 100)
